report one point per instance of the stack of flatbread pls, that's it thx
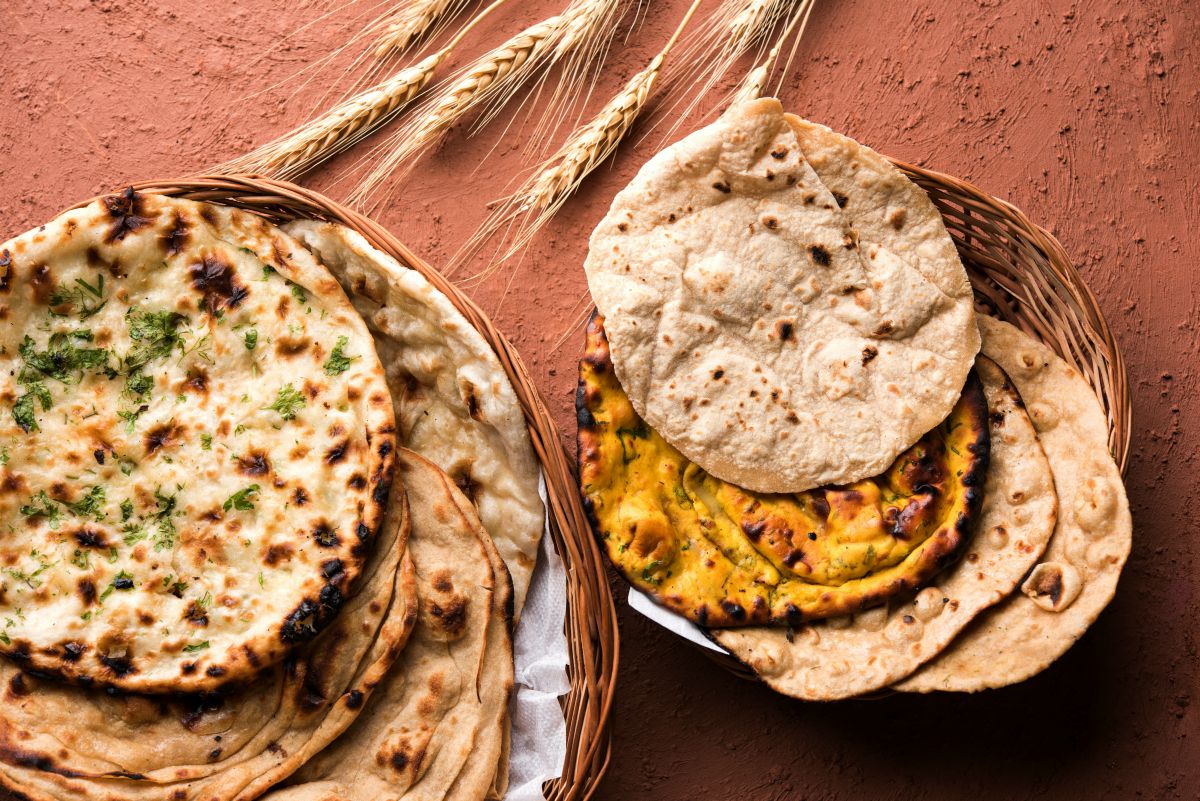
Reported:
(271, 512)
(795, 430)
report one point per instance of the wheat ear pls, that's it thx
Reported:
(737, 27)
(413, 22)
(498, 72)
(560, 175)
(755, 82)
(350, 121)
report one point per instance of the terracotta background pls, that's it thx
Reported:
(1085, 115)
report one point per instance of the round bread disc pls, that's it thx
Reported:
(874, 648)
(435, 726)
(1077, 576)
(757, 329)
(197, 440)
(60, 742)
(454, 403)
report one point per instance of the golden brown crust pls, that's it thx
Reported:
(725, 556)
(198, 445)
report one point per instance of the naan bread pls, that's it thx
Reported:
(1078, 574)
(64, 743)
(196, 441)
(756, 330)
(434, 728)
(873, 649)
(454, 404)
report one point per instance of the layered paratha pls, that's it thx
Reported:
(756, 331)
(846, 657)
(434, 728)
(59, 741)
(454, 403)
(1077, 576)
(194, 429)
(724, 556)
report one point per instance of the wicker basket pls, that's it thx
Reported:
(591, 617)
(1021, 274)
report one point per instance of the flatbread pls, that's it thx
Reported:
(62, 742)
(454, 404)
(194, 426)
(724, 557)
(434, 729)
(1079, 571)
(873, 649)
(756, 331)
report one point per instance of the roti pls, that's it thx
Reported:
(196, 440)
(850, 656)
(59, 741)
(1078, 574)
(434, 729)
(757, 330)
(722, 556)
(454, 404)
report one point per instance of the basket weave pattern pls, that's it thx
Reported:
(590, 616)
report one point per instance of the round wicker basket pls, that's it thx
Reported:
(1022, 275)
(591, 620)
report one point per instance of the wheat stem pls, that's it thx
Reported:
(755, 82)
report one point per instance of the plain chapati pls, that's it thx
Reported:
(453, 401)
(1078, 574)
(756, 330)
(434, 728)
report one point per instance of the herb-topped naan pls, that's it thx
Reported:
(725, 556)
(197, 442)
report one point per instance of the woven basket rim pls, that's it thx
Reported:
(1081, 335)
(591, 623)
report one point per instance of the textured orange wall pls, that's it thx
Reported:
(1085, 115)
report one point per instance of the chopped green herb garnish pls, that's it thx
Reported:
(81, 298)
(126, 464)
(164, 536)
(91, 504)
(242, 500)
(42, 505)
(206, 442)
(298, 292)
(4, 638)
(4, 457)
(154, 334)
(338, 362)
(174, 586)
(126, 510)
(138, 384)
(61, 360)
(131, 418)
(252, 339)
(192, 648)
(81, 559)
(288, 402)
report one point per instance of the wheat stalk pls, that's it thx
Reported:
(737, 27)
(531, 206)
(414, 21)
(755, 82)
(350, 121)
(488, 83)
